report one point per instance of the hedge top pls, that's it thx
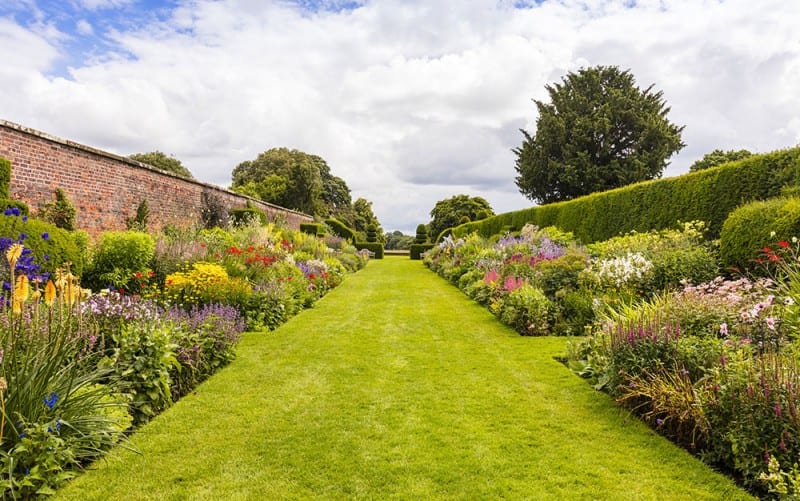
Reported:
(708, 195)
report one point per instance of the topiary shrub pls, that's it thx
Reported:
(749, 229)
(422, 234)
(51, 246)
(372, 233)
(340, 229)
(118, 256)
(416, 250)
(247, 214)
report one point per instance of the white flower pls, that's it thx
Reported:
(789, 301)
(723, 329)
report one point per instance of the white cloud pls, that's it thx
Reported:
(84, 27)
(409, 101)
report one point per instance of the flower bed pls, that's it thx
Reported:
(80, 368)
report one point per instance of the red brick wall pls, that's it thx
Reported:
(107, 188)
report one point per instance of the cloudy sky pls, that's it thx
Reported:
(410, 101)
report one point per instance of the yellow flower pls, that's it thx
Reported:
(22, 289)
(13, 254)
(49, 293)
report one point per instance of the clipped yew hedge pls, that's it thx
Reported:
(708, 195)
(340, 229)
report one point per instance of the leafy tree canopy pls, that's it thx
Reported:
(447, 213)
(397, 240)
(718, 157)
(363, 218)
(160, 160)
(295, 180)
(599, 131)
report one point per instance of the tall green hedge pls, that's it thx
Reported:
(708, 195)
(340, 229)
(317, 229)
(750, 228)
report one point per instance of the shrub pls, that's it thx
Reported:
(60, 212)
(118, 256)
(422, 234)
(205, 283)
(243, 216)
(708, 195)
(417, 250)
(750, 228)
(5, 179)
(372, 234)
(213, 212)
(51, 247)
(340, 229)
(139, 221)
(527, 310)
(312, 228)
(375, 247)
(143, 355)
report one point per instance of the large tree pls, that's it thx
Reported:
(295, 180)
(599, 131)
(718, 157)
(160, 160)
(450, 211)
(363, 218)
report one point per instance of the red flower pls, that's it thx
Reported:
(151, 274)
(311, 276)
(774, 257)
(138, 274)
(766, 250)
(784, 244)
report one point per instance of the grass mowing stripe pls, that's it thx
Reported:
(397, 386)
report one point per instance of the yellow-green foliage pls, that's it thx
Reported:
(204, 283)
(756, 225)
(708, 195)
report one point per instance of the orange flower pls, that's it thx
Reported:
(49, 293)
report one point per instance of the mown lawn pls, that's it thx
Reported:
(396, 385)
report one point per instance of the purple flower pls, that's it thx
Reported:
(45, 236)
(659, 421)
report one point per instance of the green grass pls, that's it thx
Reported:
(396, 385)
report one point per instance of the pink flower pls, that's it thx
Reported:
(491, 276)
(770, 323)
(723, 329)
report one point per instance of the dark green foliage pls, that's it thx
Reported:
(245, 215)
(718, 157)
(598, 132)
(340, 229)
(295, 180)
(464, 220)
(396, 240)
(422, 234)
(364, 217)
(59, 245)
(450, 212)
(213, 213)
(5, 179)
(708, 195)
(163, 162)
(418, 249)
(316, 229)
(139, 221)
(372, 234)
(60, 212)
(749, 229)
(374, 247)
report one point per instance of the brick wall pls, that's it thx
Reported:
(107, 188)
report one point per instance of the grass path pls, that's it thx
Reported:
(396, 385)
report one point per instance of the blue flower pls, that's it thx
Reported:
(6, 286)
(51, 400)
(45, 236)
(22, 236)
(24, 219)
